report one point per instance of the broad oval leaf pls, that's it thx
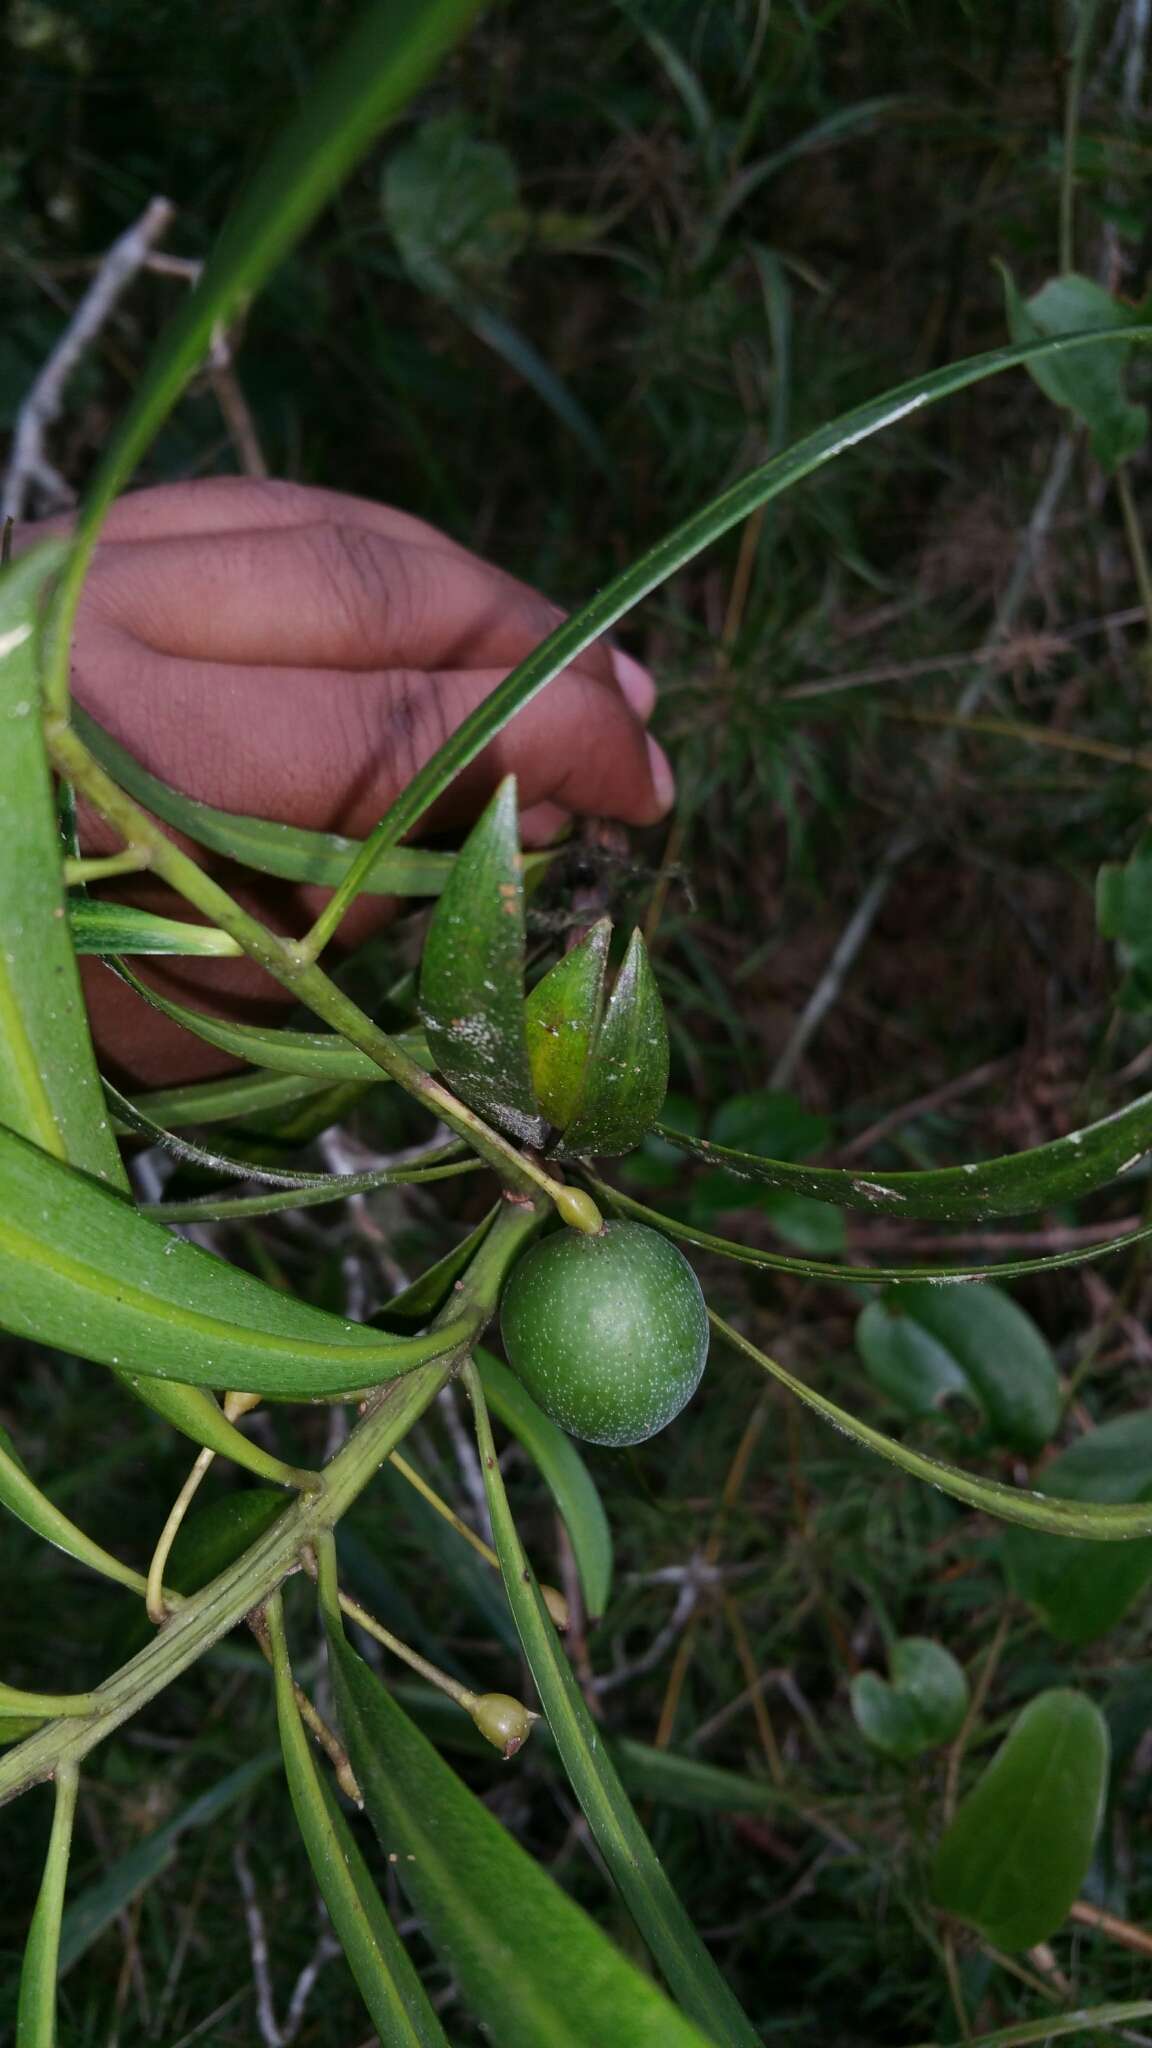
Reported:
(1018, 1851)
(472, 975)
(922, 1345)
(81, 1269)
(627, 1076)
(564, 1473)
(920, 1705)
(529, 1962)
(561, 1021)
(1078, 1591)
(1090, 383)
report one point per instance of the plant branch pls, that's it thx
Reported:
(210, 1614)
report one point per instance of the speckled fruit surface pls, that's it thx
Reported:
(608, 1333)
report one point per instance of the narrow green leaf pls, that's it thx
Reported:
(1079, 1591)
(109, 928)
(630, 1859)
(23, 1498)
(36, 2010)
(668, 555)
(529, 1962)
(131, 1118)
(318, 1054)
(1058, 1172)
(921, 1705)
(289, 851)
(81, 1269)
(627, 1076)
(564, 1473)
(335, 1187)
(1086, 2021)
(49, 1086)
(1107, 1524)
(561, 1021)
(1018, 1851)
(100, 1904)
(425, 1295)
(472, 976)
(238, 1096)
(826, 1269)
(921, 1345)
(392, 1992)
(50, 1090)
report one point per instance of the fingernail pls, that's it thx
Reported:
(635, 682)
(663, 780)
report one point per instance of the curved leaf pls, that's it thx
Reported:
(36, 2011)
(922, 1704)
(627, 1075)
(1008, 1503)
(289, 851)
(392, 1992)
(924, 1344)
(335, 1187)
(1079, 1591)
(236, 1096)
(668, 555)
(80, 1268)
(318, 1054)
(472, 976)
(1060, 1171)
(632, 1863)
(827, 1269)
(565, 1475)
(22, 1497)
(1018, 1851)
(529, 1962)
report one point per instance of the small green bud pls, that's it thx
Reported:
(504, 1722)
(578, 1210)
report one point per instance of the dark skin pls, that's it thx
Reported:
(298, 654)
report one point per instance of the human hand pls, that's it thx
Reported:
(298, 654)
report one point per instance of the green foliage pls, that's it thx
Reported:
(1077, 1595)
(1124, 915)
(923, 1346)
(919, 1706)
(702, 319)
(1018, 1851)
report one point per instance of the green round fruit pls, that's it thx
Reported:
(609, 1333)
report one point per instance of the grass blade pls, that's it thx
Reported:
(632, 1862)
(387, 1982)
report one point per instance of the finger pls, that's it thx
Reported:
(325, 596)
(636, 683)
(224, 504)
(329, 749)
